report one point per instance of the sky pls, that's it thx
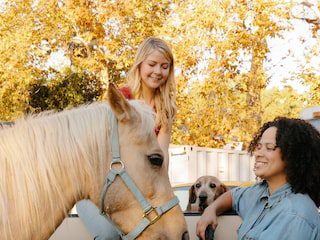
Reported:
(288, 54)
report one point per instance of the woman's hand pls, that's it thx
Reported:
(209, 217)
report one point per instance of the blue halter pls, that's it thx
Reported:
(146, 220)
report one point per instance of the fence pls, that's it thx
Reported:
(187, 163)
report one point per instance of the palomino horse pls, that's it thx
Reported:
(50, 161)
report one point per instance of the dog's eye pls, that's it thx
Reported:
(198, 185)
(155, 159)
(212, 185)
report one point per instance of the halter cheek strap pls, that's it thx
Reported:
(146, 220)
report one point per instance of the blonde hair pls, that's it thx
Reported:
(165, 95)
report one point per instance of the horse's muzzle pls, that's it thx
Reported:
(185, 236)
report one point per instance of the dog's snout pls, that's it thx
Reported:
(203, 197)
(185, 236)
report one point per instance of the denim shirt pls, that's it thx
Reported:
(284, 215)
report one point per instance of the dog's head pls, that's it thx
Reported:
(203, 192)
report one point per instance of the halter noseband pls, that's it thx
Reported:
(145, 205)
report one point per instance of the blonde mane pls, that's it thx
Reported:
(45, 160)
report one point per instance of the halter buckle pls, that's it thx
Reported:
(151, 219)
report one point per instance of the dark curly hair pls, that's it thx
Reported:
(299, 142)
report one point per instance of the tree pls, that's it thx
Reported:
(220, 47)
(309, 75)
(66, 89)
(286, 102)
(98, 37)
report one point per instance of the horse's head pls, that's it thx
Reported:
(144, 162)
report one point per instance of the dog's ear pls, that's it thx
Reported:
(192, 198)
(224, 188)
(192, 195)
(220, 190)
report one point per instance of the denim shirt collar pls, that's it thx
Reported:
(277, 196)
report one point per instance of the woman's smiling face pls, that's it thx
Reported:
(269, 164)
(155, 70)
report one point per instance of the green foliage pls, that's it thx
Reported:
(65, 90)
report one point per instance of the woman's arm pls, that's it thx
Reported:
(164, 137)
(164, 141)
(209, 216)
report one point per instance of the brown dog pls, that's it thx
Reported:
(203, 192)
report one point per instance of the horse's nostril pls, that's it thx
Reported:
(185, 236)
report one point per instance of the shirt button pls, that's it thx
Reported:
(247, 238)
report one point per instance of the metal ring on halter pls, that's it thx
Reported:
(122, 165)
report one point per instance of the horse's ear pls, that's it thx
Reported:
(119, 105)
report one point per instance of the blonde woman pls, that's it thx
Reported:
(150, 79)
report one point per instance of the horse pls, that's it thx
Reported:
(51, 160)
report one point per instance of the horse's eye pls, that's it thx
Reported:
(156, 159)
(212, 185)
(198, 185)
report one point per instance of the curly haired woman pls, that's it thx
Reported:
(284, 204)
